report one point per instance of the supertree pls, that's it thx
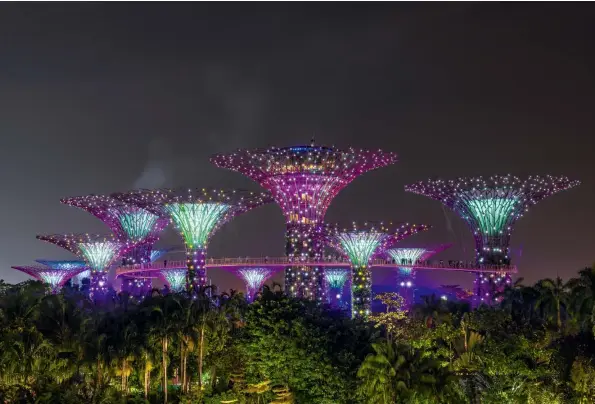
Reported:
(254, 278)
(406, 274)
(98, 251)
(361, 244)
(197, 214)
(158, 253)
(335, 279)
(137, 228)
(55, 278)
(175, 278)
(491, 207)
(303, 181)
(68, 264)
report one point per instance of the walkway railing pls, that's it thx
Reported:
(230, 263)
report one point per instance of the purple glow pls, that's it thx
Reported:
(54, 278)
(303, 181)
(254, 278)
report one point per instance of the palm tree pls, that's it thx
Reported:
(554, 296)
(162, 328)
(583, 293)
(396, 372)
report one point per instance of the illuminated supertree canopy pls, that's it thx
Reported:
(53, 277)
(491, 206)
(98, 251)
(175, 278)
(303, 181)
(336, 277)
(361, 244)
(197, 214)
(138, 228)
(62, 264)
(158, 253)
(254, 278)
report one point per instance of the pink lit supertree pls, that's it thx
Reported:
(303, 181)
(361, 244)
(490, 207)
(136, 228)
(197, 214)
(55, 278)
(406, 275)
(98, 251)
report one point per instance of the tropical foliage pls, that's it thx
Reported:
(535, 346)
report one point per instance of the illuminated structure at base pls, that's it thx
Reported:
(69, 265)
(303, 181)
(137, 286)
(98, 251)
(335, 279)
(175, 278)
(254, 278)
(136, 228)
(406, 275)
(197, 214)
(53, 277)
(361, 245)
(491, 207)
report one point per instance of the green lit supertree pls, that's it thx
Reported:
(98, 252)
(490, 207)
(335, 282)
(197, 214)
(361, 244)
(136, 228)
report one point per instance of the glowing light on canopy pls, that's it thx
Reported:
(491, 206)
(360, 245)
(138, 224)
(254, 278)
(408, 254)
(54, 278)
(197, 214)
(197, 221)
(303, 181)
(156, 254)
(336, 278)
(62, 264)
(136, 228)
(98, 251)
(175, 278)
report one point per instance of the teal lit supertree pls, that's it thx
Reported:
(69, 265)
(53, 277)
(410, 257)
(175, 278)
(360, 245)
(197, 214)
(98, 252)
(335, 282)
(136, 228)
(254, 278)
(490, 207)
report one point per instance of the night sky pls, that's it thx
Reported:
(98, 98)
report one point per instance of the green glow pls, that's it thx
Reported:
(52, 278)
(492, 214)
(399, 254)
(360, 246)
(99, 255)
(336, 278)
(138, 224)
(176, 278)
(196, 221)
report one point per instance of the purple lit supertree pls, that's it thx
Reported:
(68, 264)
(175, 278)
(254, 278)
(361, 244)
(137, 228)
(55, 278)
(491, 207)
(197, 214)
(98, 251)
(303, 181)
(406, 275)
(335, 279)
